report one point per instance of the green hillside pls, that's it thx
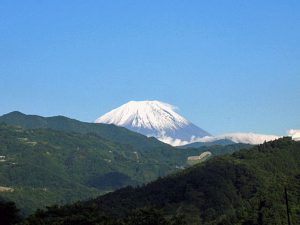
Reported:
(45, 166)
(40, 167)
(245, 188)
(58, 160)
(108, 131)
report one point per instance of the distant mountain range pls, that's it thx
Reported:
(158, 119)
(221, 142)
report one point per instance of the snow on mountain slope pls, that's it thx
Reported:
(246, 138)
(154, 118)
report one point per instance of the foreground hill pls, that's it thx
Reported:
(245, 188)
(40, 167)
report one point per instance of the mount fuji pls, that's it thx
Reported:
(156, 119)
(160, 120)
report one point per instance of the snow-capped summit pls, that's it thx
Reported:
(154, 118)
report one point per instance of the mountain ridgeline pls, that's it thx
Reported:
(245, 188)
(57, 160)
(61, 123)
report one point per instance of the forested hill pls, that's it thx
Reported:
(62, 123)
(244, 188)
(41, 167)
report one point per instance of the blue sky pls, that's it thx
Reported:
(228, 65)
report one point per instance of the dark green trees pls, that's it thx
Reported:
(246, 188)
(9, 214)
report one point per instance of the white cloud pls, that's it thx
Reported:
(247, 138)
(171, 141)
(295, 134)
